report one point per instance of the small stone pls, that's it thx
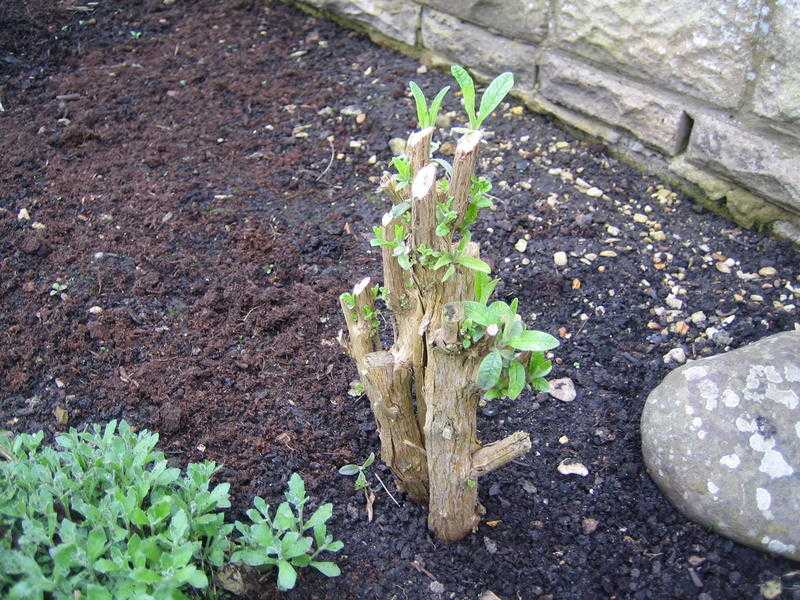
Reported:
(560, 259)
(422, 69)
(572, 467)
(771, 589)
(491, 545)
(589, 525)
(695, 560)
(594, 192)
(698, 318)
(517, 111)
(563, 440)
(436, 587)
(639, 218)
(676, 355)
(521, 245)
(360, 118)
(166, 217)
(614, 231)
(95, 310)
(372, 160)
(767, 271)
(23, 215)
(562, 389)
(723, 267)
(397, 146)
(488, 595)
(448, 149)
(61, 415)
(658, 236)
(608, 253)
(37, 225)
(674, 302)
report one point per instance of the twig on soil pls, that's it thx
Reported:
(330, 162)
(422, 569)
(251, 312)
(385, 488)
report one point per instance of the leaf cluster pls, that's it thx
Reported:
(279, 540)
(517, 356)
(105, 517)
(491, 99)
(359, 470)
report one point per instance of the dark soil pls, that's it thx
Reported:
(175, 194)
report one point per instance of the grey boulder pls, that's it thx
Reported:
(721, 438)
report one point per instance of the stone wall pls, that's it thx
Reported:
(706, 94)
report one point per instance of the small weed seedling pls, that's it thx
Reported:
(58, 288)
(360, 470)
(362, 484)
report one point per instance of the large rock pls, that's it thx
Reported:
(652, 117)
(721, 438)
(395, 19)
(762, 164)
(777, 93)
(519, 19)
(701, 48)
(474, 47)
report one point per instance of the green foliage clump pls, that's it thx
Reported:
(103, 517)
(278, 540)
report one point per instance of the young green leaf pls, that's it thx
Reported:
(349, 469)
(287, 576)
(516, 379)
(320, 516)
(327, 568)
(494, 94)
(538, 365)
(476, 264)
(490, 369)
(467, 92)
(421, 104)
(540, 384)
(369, 461)
(534, 341)
(436, 105)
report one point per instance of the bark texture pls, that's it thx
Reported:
(422, 389)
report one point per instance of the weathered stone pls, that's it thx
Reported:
(777, 92)
(700, 48)
(482, 52)
(519, 19)
(759, 163)
(650, 116)
(721, 438)
(580, 121)
(394, 19)
(712, 186)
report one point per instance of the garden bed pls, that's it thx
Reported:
(200, 173)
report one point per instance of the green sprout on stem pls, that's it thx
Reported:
(491, 99)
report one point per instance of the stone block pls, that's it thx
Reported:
(777, 93)
(479, 50)
(700, 48)
(519, 19)
(393, 18)
(652, 117)
(766, 165)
